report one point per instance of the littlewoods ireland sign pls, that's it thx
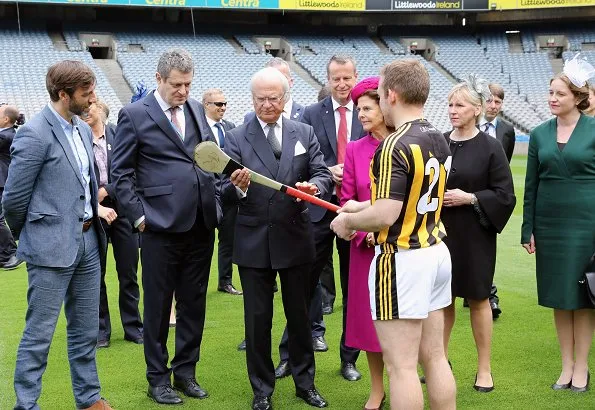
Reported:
(427, 4)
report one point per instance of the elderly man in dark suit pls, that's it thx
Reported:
(175, 205)
(503, 131)
(119, 232)
(335, 123)
(215, 106)
(50, 202)
(274, 234)
(8, 247)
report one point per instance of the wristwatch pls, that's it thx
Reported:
(473, 200)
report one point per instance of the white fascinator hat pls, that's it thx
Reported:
(578, 70)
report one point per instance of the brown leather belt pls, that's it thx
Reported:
(87, 225)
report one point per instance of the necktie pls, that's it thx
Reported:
(221, 134)
(175, 121)
(341, 140)
(487, 127)
(273, 141)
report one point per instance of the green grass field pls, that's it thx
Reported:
(525, 351)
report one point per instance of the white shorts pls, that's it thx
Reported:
(410, 283)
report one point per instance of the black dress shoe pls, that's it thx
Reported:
(137, 340)
(496, 311)
(12, 263)
(229, 289)
(349, 372)
(164, 395)
(583, 389)
(283, 370)
(557, 386)
(242, 345)
(190, 388)
(102, 344)
(262, 403)
(483, 389)
(327, 309)
(311, 397)
(319, 344)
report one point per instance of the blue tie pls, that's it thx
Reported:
(221, 135)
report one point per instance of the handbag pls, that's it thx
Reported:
(589, 279)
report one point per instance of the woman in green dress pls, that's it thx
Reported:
(559, 222)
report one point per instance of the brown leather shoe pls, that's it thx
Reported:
(100, 404)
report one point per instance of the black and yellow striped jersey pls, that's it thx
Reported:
(411, 165)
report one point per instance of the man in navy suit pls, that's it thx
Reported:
(175, 205)
(8, 247)
(215, 106)
(503, 131)
(335, 123)
(291, 110)
(50, 202)
(119, 232)
(274, 234)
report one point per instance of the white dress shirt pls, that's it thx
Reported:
(214, 129)
(287, 109)
(492, 130)
(348, 117)
(181, 117)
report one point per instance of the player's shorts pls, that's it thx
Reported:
(410, 283)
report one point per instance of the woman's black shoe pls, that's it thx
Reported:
(483, 389)
(581, 389)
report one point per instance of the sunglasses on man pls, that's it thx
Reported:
(219, 103)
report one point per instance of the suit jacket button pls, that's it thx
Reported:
(271, 202)
(82, 197)
(270, 225)
(81, 219)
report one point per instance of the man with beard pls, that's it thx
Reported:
(50, 202)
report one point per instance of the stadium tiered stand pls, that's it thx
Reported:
(22, 82)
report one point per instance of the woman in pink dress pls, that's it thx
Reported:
(360, 331)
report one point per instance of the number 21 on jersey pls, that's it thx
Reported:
(434, 171)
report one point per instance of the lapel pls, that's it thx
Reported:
(227, 125)
(289, 139)
(296, 111)
(63, 141)
(328, 120)
(158, 116)
(109, 143)
(197, 112)
(499, 130)
(256, 138)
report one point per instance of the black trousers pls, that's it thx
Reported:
(327, 283)
(257, 285)
(125, 246)
(8, 247)
(177, 262)
(324, 237)
(316, 322)
(226, 230)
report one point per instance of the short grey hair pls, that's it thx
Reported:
(269, 73)
(210, 92)
(340, 59)
(277, 62)
(175, 59)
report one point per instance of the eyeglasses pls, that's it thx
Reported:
(271, 100)
(219, 103)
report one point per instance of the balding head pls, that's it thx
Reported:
(8, 116)
(270, 91)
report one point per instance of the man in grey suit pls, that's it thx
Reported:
(503, 131)
(8, 247)
(50, 202)
(215, 106)
(274, 234)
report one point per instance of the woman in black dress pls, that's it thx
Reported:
(477, 204)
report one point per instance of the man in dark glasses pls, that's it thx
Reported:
(215, 104)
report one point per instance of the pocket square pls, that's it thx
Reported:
(299, 149)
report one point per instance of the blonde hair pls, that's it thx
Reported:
(473, 90)
(104, 109)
